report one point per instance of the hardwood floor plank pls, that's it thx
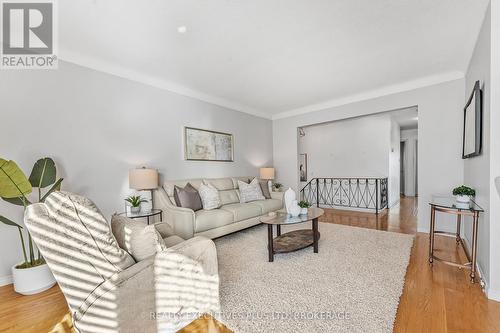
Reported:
(436, 298)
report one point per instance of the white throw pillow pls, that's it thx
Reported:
(209, 196)
(137, 238)
(250, 192)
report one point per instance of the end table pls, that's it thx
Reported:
(144, 214)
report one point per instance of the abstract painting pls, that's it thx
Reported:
(206, 145)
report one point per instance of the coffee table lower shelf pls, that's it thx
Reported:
(293, 241)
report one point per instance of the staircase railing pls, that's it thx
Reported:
(366, 193)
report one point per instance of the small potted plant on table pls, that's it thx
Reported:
(463, 193)
(277, 187)
(304, 205)
(135, 202)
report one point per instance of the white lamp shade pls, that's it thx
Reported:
(267, 173)
(143, 179)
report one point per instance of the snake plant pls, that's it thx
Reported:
(135, 200)
(16, 189)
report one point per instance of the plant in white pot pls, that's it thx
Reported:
(463, 193)
(304, 205)
(135, 202)
(32, 275)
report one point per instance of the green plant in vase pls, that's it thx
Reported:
(278, 187)
(304, 205)
(463, 193)
(135, 202)
(17, 189)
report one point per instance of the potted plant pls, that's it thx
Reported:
(463, 193)
(304, 205)
(277, 187)
(32, 275)
(135, 202)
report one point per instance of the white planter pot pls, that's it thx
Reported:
(29, 281)
(135, 210)
(303, 211)
(463, 198)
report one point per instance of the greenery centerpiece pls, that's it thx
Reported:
(463, 193)
(135, 202)
(17, 189)
(277, 187)
(304, 205)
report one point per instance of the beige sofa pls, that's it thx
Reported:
(230, 217)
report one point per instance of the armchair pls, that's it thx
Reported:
(106, 290)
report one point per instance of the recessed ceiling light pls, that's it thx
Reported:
(182, 29)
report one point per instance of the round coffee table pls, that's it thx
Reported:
(293, 240)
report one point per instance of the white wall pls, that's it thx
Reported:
(341, 148)
(440, 166)
(97, 126)
(477, 169)
(394, 163)
(410, 137)
(494, 287)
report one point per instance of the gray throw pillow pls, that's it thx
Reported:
(265, 189)
(187, 197)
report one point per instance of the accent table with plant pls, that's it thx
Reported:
(32, 275)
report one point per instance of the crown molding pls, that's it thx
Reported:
(132, 75)
(371, 94)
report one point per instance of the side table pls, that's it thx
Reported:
(451, 206)
(144, 214)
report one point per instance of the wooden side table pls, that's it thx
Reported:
(145, 214)
(451, 206)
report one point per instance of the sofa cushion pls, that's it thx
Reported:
(229, 197)
(210, 219)
(187, 197)
(137, 238)
(269, 205)
(243, 211)
(209, 197)
(221, 184)
(250, 192)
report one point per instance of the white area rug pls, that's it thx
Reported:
(352, 285)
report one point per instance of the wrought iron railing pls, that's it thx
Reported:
(367, 193)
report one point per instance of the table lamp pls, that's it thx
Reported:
(143, 179)
(267, 174)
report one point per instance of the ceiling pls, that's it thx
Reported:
(406, 118)
(272, 57)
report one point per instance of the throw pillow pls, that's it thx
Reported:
(250, 192)
(209, 196)
(187, 197)
(265, 189)
(138, 239)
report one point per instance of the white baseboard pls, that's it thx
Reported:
(493, 294)
(5, 280)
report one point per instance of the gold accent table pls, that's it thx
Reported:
(449, 205)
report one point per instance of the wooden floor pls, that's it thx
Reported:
(435, 299)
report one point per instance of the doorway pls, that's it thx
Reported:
(402, 167)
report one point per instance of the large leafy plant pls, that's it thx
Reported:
(16, 189)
